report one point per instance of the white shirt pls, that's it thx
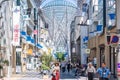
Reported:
(92, 69)
(63, 64)
(57, 68)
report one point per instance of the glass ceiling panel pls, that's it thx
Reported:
(59, 14)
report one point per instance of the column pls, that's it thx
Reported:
(118, 27)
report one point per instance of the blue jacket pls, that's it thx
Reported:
(103, 72)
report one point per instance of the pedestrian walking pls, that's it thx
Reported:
(63, 66)
(68, 66)
(90, 71)
(77, 69)
(82, 68)
(95, 61)
(56, 72)
(103, 72)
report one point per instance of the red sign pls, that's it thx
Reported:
(16, 27)
(35, 32)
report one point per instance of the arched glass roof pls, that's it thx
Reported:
(47, 3)
(59, 14)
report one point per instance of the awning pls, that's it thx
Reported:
(39, 46)
(32, 41)
(85, 39)
(112, 16)
(23, 34)
(28, 38)
(99, 27)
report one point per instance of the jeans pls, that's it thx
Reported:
(90, 75)
(63, 69)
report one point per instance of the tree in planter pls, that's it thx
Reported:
(60, 56)
(6, 62)
(46, 59)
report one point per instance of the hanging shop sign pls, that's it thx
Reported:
(115, 39)
(87, 51)
(112, 39)
(108, 39)
(35, 32)
(18, 49)
(16, 26)
(118, 69)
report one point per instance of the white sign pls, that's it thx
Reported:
(87, 51)
(18, 49)
(73, 50)
(26, 17)
(16, 26)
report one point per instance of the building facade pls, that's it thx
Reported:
(5, 37)
(101, 33)
(19, 36)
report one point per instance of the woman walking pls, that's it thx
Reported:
(56, 72)
(90, 71)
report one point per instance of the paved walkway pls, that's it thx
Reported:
(67, 75)
(32, 75)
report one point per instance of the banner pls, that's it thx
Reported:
(16, 26)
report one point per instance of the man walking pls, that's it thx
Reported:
(63, 66)
(103, 72)
(90, 71)
(68, 66)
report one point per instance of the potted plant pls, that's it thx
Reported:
(1, 67)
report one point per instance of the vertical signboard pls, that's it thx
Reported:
(118, 69)
(16, 26)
